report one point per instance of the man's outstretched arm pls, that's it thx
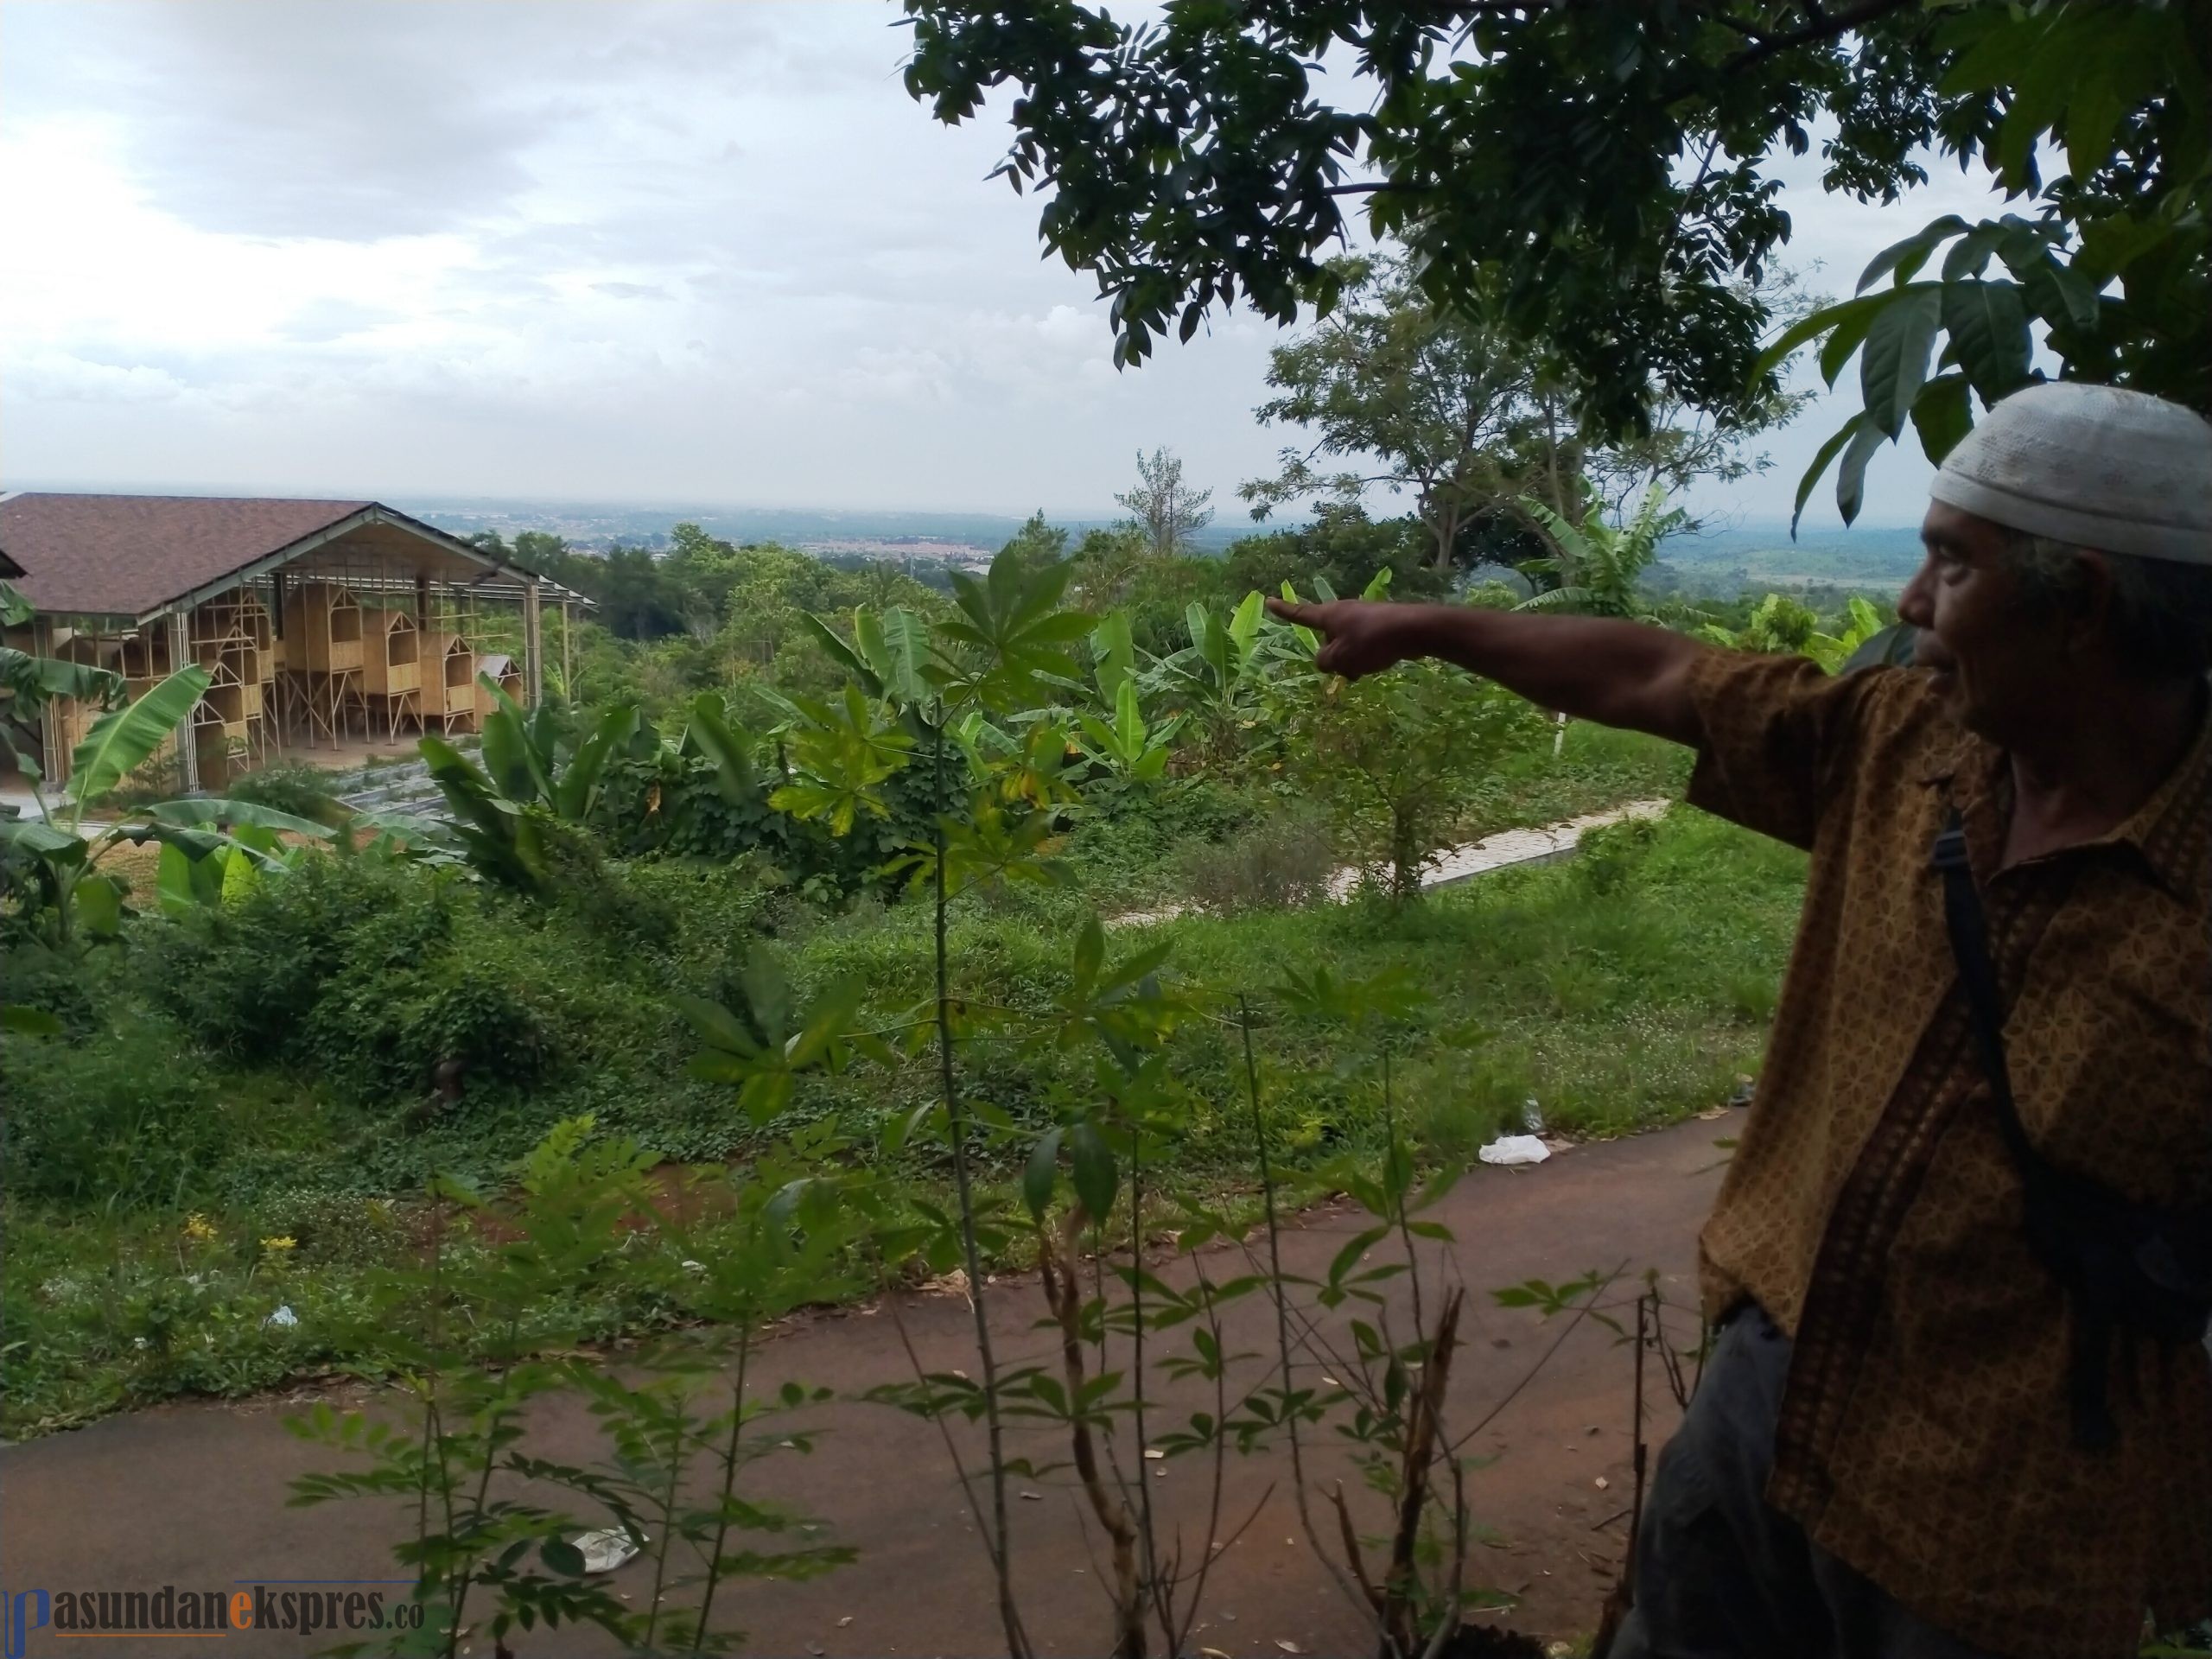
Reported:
(1616, 673)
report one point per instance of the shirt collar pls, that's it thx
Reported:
(2170, 832)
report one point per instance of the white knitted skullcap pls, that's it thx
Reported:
(2121, 472)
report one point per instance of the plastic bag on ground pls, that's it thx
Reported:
(606, 1549)
(1514, 1149)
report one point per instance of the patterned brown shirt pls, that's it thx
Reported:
(1871, 1206)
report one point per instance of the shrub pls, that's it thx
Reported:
(288, 786)
(1283, 859)
(1606, 858)
(339, 1228)
(132, 1117)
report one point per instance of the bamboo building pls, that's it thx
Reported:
(326, 628)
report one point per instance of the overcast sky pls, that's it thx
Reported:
(690, 252)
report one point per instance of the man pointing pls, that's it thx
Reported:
(1935, 1422)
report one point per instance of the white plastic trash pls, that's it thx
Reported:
(1514, 1149)
(606, 1549)
(283, 1319)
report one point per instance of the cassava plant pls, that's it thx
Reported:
(480, 1343)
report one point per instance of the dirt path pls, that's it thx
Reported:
(194, 1494)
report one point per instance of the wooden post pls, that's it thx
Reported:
(533, 647)
(187, 737)
(54, 756)
(568, 654)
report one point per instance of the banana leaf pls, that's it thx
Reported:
(121, 741)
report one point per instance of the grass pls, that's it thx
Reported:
(1620, 990)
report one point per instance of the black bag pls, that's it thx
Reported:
(2128, 1270)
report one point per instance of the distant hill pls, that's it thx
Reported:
(599, 525)
(1766, 557)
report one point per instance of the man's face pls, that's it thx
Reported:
(1994, 659)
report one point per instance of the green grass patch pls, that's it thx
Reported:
(272, 1073)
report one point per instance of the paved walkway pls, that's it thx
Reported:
(1449, 865)
(194, 1494)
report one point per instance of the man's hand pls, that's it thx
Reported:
(1361, 636)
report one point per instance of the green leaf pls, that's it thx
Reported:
(1038, 1178)
(1907, 257)
(901, 644)
(37, 836)
(842, 654)
(709, 733)
(195, 810)
(121, 740)
(28, 1022)
(1851, 476)
(1941, 415)
(1095, 1178)
(1089, 956)
(1821, 460)
(1988, 326)
(1128, 722)
(1244, 625)
(717, 1025)
(1851, 314)
(1113, 650)
(506, 755)
(561, 1557)
(1893, 363)
(186, 883)
(577, 789)
(35, 680)
(99, 901)
(1347, 1257)
(1969, 255)
(2094, 108)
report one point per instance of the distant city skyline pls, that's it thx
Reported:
(677, 252)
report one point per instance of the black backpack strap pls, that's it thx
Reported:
(1969, 930)
(2093, 1327)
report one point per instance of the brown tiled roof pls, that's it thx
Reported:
(129, 554)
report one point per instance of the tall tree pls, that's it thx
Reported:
(1413, 399)
(1458, 414)
(1604, 174)
(1164, 508)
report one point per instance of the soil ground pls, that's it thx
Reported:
(194, 1494)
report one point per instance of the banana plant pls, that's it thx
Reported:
(224, 876)
(1113, 658)
(890, 654)
(1128, 747)
(29, 682)
(534, 767)
(55, 857)
(1782, 624)
(536, 758)
(1595, 568)
(1217, 678)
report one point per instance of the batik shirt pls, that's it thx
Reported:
(1870, 1205)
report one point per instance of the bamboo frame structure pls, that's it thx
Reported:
(501, 670)
(372, 634)
(449, 684)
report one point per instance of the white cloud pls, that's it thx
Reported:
(697, 251)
